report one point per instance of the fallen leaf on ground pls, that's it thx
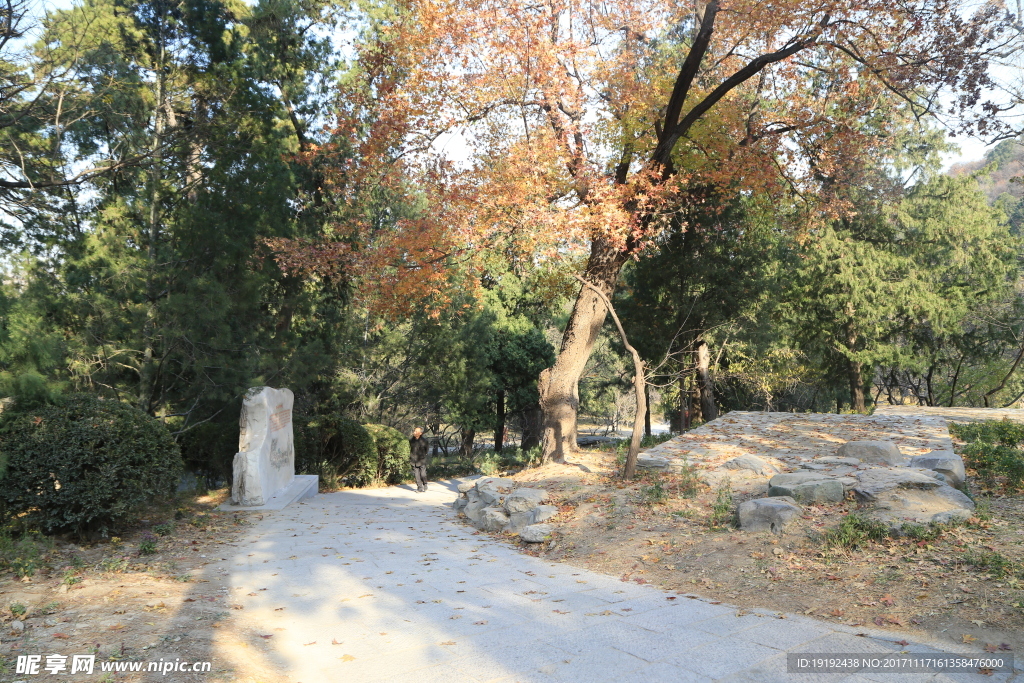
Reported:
(967, 638)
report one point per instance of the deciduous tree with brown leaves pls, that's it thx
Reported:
(592, 128)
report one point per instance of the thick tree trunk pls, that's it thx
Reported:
(706, 387)
(854, 368)
(856, 386)
(435, 438)
(499, 423)
(466, 444)
(559, 384)
(647, 411)
(147, 370)
(533, 427)
(639, 386)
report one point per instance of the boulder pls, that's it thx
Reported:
(536, 533)
(467, 485)
(768, 514)
(492, 489)
(493, 519)
(541, 513)
(474, 511)
(524, 500)
(806, 487)
(874, 481)
(460, 503)
(947, 463)
(500, 483)
(874, 452)
(751, 463)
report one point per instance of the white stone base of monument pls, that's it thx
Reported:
(303, 486)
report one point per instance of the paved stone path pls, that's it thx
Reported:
(411, 594)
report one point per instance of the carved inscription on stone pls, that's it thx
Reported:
(280, 419)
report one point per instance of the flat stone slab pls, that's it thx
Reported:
(941, 505)
(793, 439)
(303, 486)
(873, 452)
(875, 480)
(751, 463)
(651, 462)
(810, 487)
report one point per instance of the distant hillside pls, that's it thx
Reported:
(1008, 157)
(1003, 183)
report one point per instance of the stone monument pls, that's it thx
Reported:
(264, 467)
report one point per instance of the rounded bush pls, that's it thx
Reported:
(393, 465)
(341, 451)
(85, 465)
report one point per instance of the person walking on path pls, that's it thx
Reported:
(418, 458)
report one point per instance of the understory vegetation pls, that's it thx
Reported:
(994, 452)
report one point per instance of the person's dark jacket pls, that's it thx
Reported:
(418, 450)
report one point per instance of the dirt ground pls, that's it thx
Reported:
(109, 600)
(928, 589)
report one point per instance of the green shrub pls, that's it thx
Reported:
(488, 462)
(853, 531)
(655, 494)
(650, 440)
(993, 451)
(721, 510)
(997, 564)
(147, 545)
(393, 465)
(339, 450)
(25, 554)
(449, 468)
(86, 465)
